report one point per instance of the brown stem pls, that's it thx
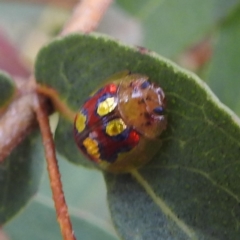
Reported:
(53, 171)
(86, 16)
(59, 105)
(15, 124)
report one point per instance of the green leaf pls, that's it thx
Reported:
(20, 175)
(7, 89)
(223, 73)
(86, 207)
(190, 190)
(39, 222)
(172, 26)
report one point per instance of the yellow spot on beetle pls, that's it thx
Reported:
(80, 122)
(115, 127)
(106, 106)
(91, 146)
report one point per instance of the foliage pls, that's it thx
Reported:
(192, 168)
(189, 190)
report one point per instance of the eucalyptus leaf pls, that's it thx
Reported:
(190, 190)
(39, 222)
(224, 73)
(7, 89)
(172, 26)
(20, 175)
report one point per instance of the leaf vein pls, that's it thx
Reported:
(208, 177)
(163, 206)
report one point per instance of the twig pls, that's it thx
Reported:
(15, 125)
(53, 171)
(86, 16)
(59, 105)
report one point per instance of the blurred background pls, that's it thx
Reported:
(202, 36)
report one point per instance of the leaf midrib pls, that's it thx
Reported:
(163, 206)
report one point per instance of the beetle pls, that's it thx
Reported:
(119, 124)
